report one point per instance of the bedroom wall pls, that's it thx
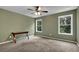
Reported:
(13, 22)
(78, 24)
(50, 26)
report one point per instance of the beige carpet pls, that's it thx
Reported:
(38, 44)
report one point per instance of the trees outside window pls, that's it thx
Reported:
(65, 24)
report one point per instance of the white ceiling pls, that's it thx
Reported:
(51, 10)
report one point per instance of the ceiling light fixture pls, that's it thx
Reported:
(37, 13)
(39, 8)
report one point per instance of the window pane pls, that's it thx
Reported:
(62, 28)
(62, 21)
(39, 28)
(68, 20)
(65, 29)
(39, 23)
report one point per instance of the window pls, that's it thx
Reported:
(39, 25)
(65, 24)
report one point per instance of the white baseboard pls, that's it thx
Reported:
(6, 42)
(59, 39)
(78, 44)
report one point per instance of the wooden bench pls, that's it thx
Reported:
(16, 33)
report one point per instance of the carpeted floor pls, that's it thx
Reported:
(38, 44)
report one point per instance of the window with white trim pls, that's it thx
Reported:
(38, 25)
(65, 24)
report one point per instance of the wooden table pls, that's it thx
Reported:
(16, 33)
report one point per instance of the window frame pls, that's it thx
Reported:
(37, 25)
(71, 15)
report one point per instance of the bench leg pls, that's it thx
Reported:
(27, 36)
(14, 39)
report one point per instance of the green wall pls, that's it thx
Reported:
(50, 26)
(78, 24)
(13, 22)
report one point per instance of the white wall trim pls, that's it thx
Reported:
(59, 39)
(6, 42)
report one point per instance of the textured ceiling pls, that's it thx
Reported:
(51, 10)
